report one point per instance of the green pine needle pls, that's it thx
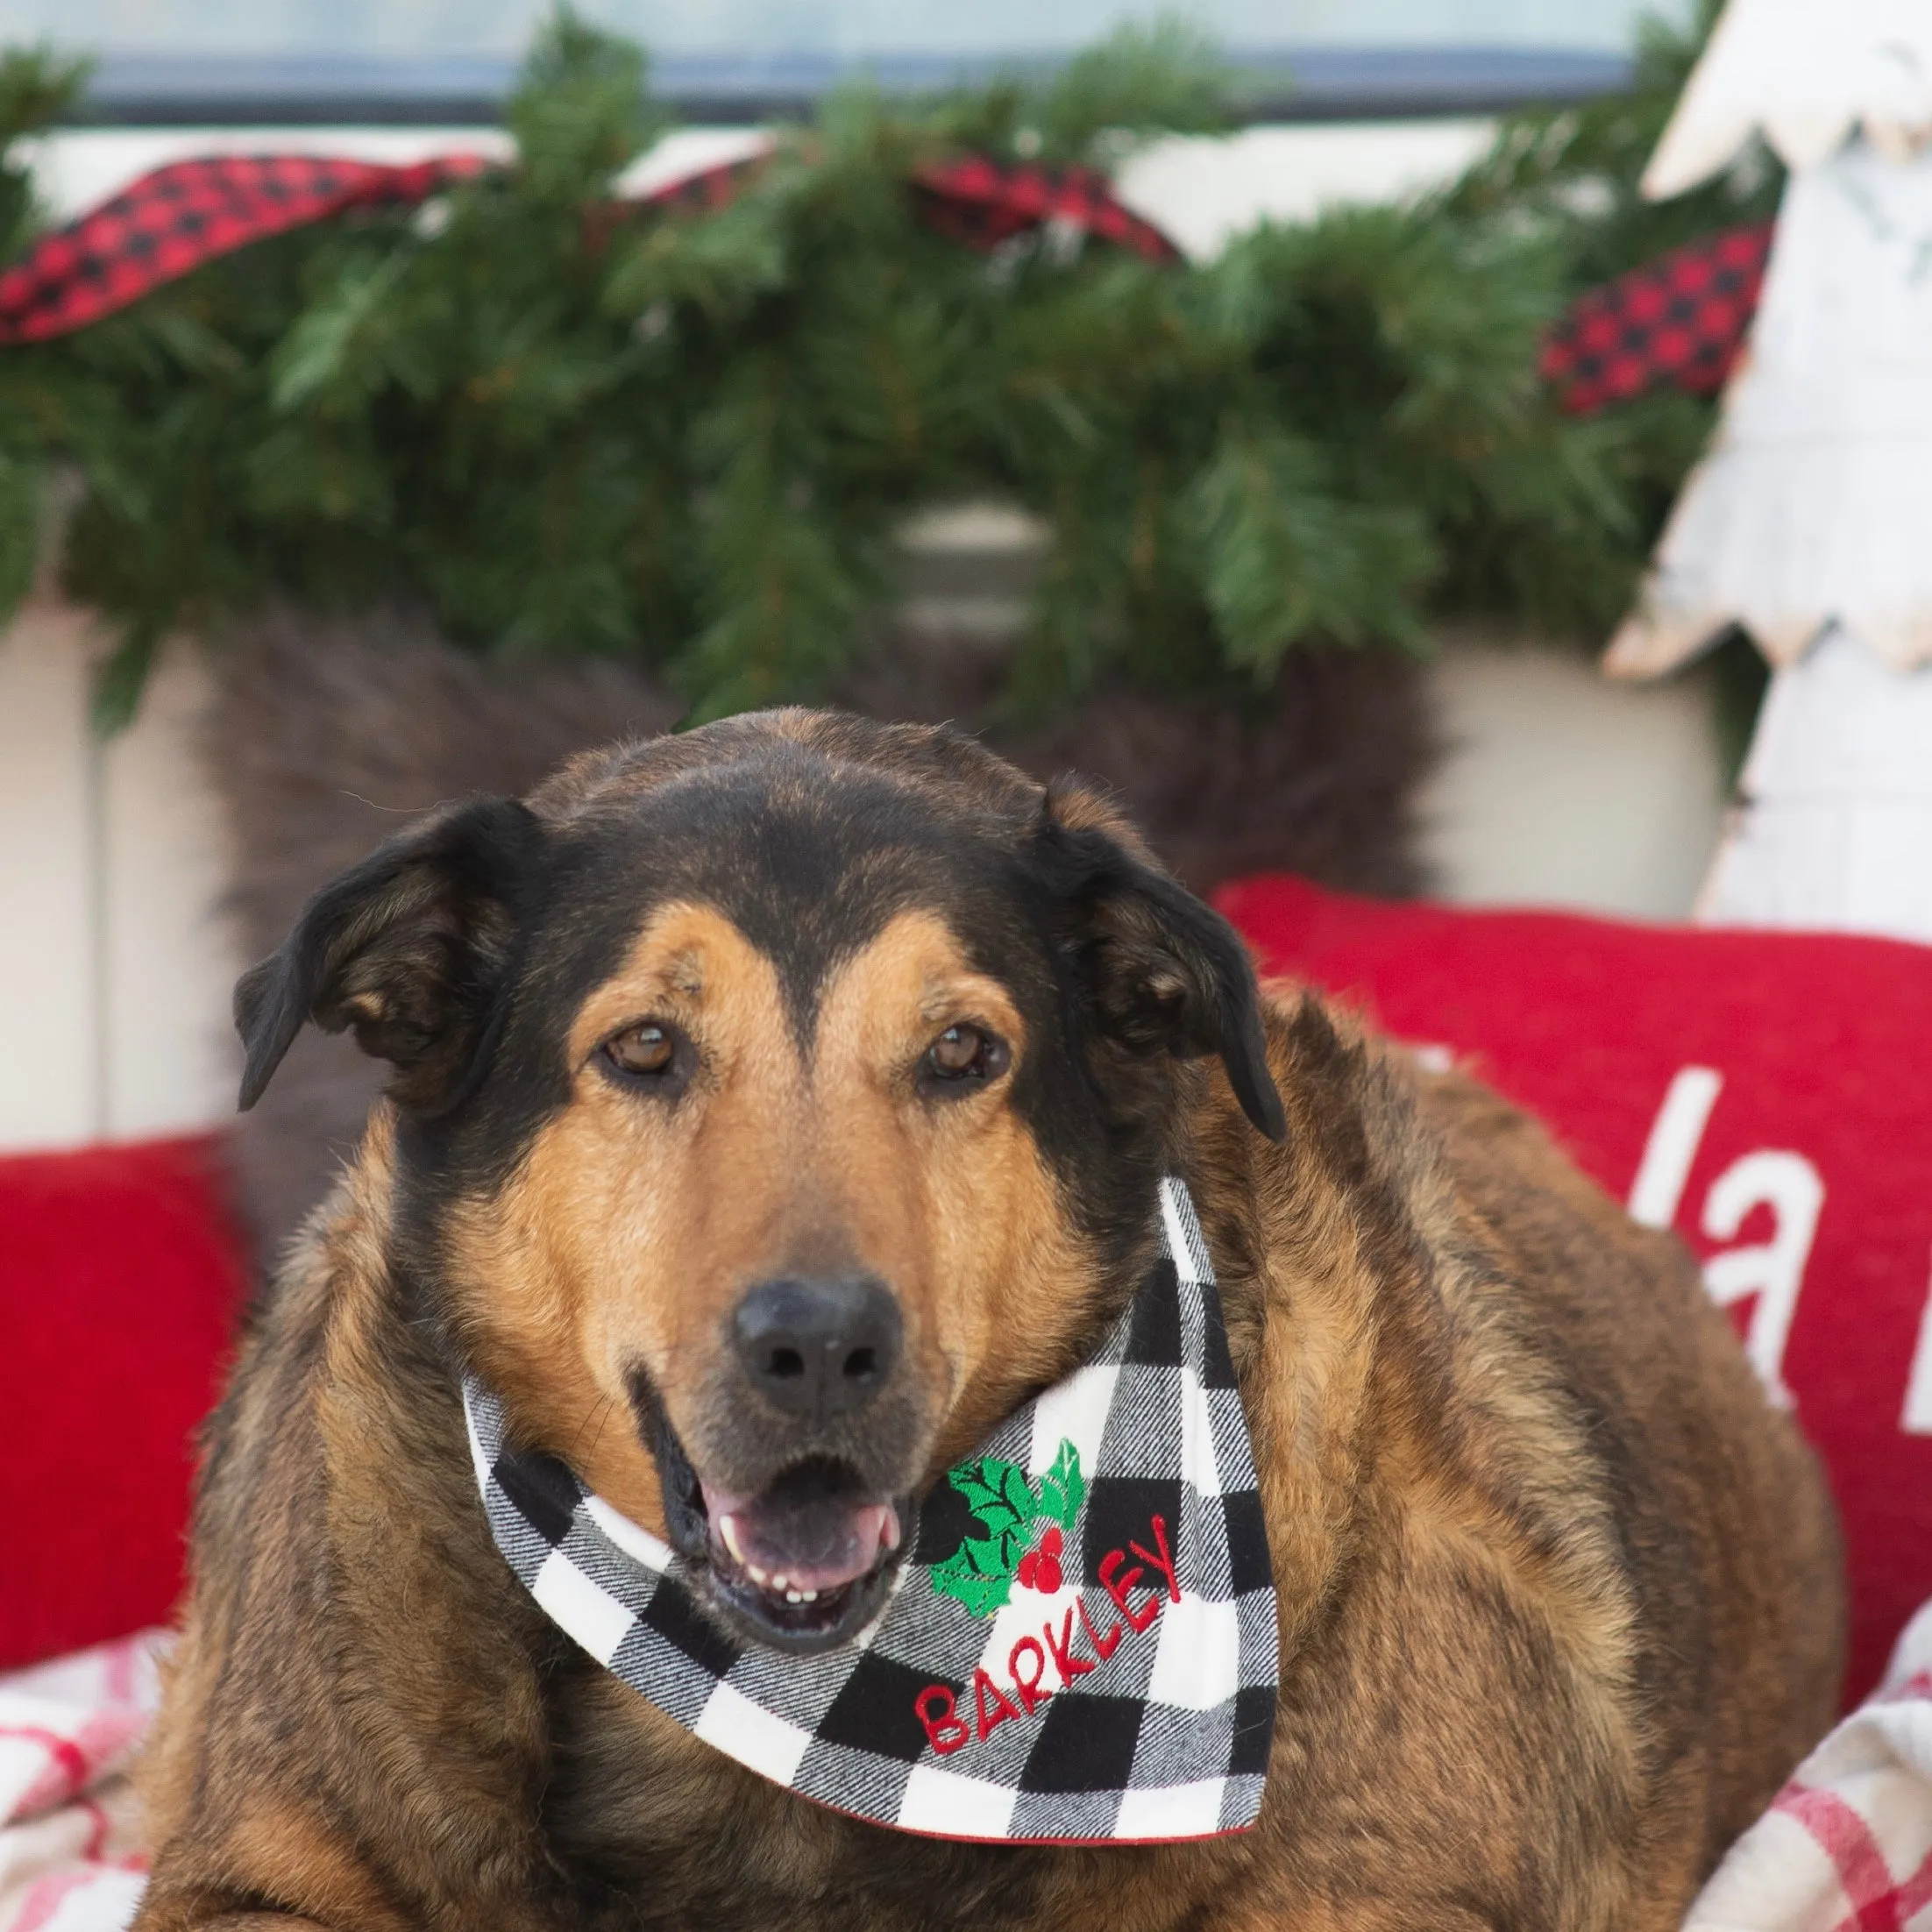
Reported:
(579, 111)
(1139, 81)
(37, 87)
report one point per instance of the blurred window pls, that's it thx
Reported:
(239, 60)
(840, 30)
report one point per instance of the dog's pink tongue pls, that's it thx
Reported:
(818, 1548)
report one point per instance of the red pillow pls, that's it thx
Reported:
(120, 1280)
(1766, 1094)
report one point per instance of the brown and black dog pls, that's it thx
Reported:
(797, 999)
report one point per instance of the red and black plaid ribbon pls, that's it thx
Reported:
(983, 204)
(1680, 319)
(178, 217)
(706, 191)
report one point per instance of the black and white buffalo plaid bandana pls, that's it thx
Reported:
(1079, 1648)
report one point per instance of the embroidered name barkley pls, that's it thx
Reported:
(936, 1706)
(1079, 1647)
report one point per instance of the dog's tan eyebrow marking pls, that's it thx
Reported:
(954, 999)
(686, 957)
(687, 973)
(915, 971)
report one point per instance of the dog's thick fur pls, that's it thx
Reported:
(1559, 1589)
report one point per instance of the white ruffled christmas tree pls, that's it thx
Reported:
(1810, 522)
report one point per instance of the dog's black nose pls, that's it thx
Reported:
(818, 1348)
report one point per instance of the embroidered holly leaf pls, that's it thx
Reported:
(1063, 1489)
(979, 1573)
(996, 1555)
(997, 1493)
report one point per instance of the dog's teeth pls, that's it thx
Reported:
(794, 1596)
(757, 1575)
(781, 1583)
(808, 1596)
(727, 1528)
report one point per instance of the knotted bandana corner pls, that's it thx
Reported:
(1084, 1654)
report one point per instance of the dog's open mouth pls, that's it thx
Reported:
(807, 1559)
(805, 1563)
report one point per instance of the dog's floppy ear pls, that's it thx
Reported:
(1162, 972)
(408, 947)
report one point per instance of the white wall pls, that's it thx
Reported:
(1201, 191)
(1561, 788)
(50, 1045)
(114, 964)
(164, 957)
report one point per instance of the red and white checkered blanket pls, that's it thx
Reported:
(1846, 1846)
(70, 1856)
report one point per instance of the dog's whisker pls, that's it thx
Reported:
(602, 1416)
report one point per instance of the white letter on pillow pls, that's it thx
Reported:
(1774, 1271)
(1675, 1136)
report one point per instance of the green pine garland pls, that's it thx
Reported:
(691, 438)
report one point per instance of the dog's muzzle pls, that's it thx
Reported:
(800, 1558)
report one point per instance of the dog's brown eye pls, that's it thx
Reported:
(646, 1049)
(965, 1053)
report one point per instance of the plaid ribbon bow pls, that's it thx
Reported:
(1118, 1687)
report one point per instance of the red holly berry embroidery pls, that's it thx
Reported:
(1039, 1568)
